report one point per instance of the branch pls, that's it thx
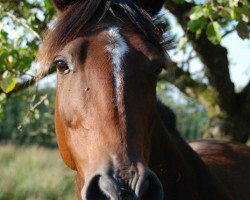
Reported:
(32, 108)
(192, 88)
(180, 11)
(245, 98)
(213, 57)
(27, 83)
(24, 24)
(246, 90)
(228, 32)
(22, 86)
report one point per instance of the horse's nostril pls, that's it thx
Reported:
(104, 187)
(93, 191)
(151, 188)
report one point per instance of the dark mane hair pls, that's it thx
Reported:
(78, 18)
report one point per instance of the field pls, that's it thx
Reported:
(34, 173)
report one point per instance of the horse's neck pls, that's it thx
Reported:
(182, 173)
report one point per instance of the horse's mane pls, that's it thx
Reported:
(167, 116)
(78, 19)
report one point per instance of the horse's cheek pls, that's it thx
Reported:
(62, 142)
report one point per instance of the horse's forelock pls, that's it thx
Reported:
(76, 20)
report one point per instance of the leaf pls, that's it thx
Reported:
(227, 13)
(3, 57)
(2, 97)
(15, 54)
(197, 12)
(9, 61)
(32, 20)
(242, 30)
(237, 13)
(198, 34)
(25, 63)
(245, 10)
(222, 1)
(213, 32)
(3, 36)
(48, 5)
(194, 25)
(182, 42)
(178, 1)
(214, 15)
(8, 84)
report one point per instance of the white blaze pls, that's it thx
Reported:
(117, 49)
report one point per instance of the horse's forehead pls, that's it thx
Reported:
(101, 38)
(114, 40)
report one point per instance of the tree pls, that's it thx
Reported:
(204, 23)
(22, 24)
(28, 118)
(191, 117)
(21, 28)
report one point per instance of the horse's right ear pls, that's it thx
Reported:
(61, 5)
(151, 6)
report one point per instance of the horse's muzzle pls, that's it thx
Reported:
(106, 187)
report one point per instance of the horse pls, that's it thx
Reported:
(110, 128)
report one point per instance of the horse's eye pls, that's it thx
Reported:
(62, 66)
(158, 64)
(158, 70)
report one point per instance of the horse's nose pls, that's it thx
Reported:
(104, 187)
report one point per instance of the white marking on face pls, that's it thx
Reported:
(117, 49)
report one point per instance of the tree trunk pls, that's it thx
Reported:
(232, 128)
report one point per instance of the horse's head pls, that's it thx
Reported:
(107, 55)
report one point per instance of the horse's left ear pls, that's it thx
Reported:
(61, 5)
(151, 6)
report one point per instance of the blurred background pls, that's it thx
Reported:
(208, 88)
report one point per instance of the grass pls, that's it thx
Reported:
(34, 173)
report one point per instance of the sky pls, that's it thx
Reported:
(238, 55)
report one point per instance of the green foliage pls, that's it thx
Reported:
(8, 82)
(192, 118)
(179, 1)
(38, 128)
(197, 24)
(213, 32)
(242, 30)
(21, 124)
(21, 25)
(197, 12)
(212, 15)
(34, 173)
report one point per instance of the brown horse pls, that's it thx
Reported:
(108, 54)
